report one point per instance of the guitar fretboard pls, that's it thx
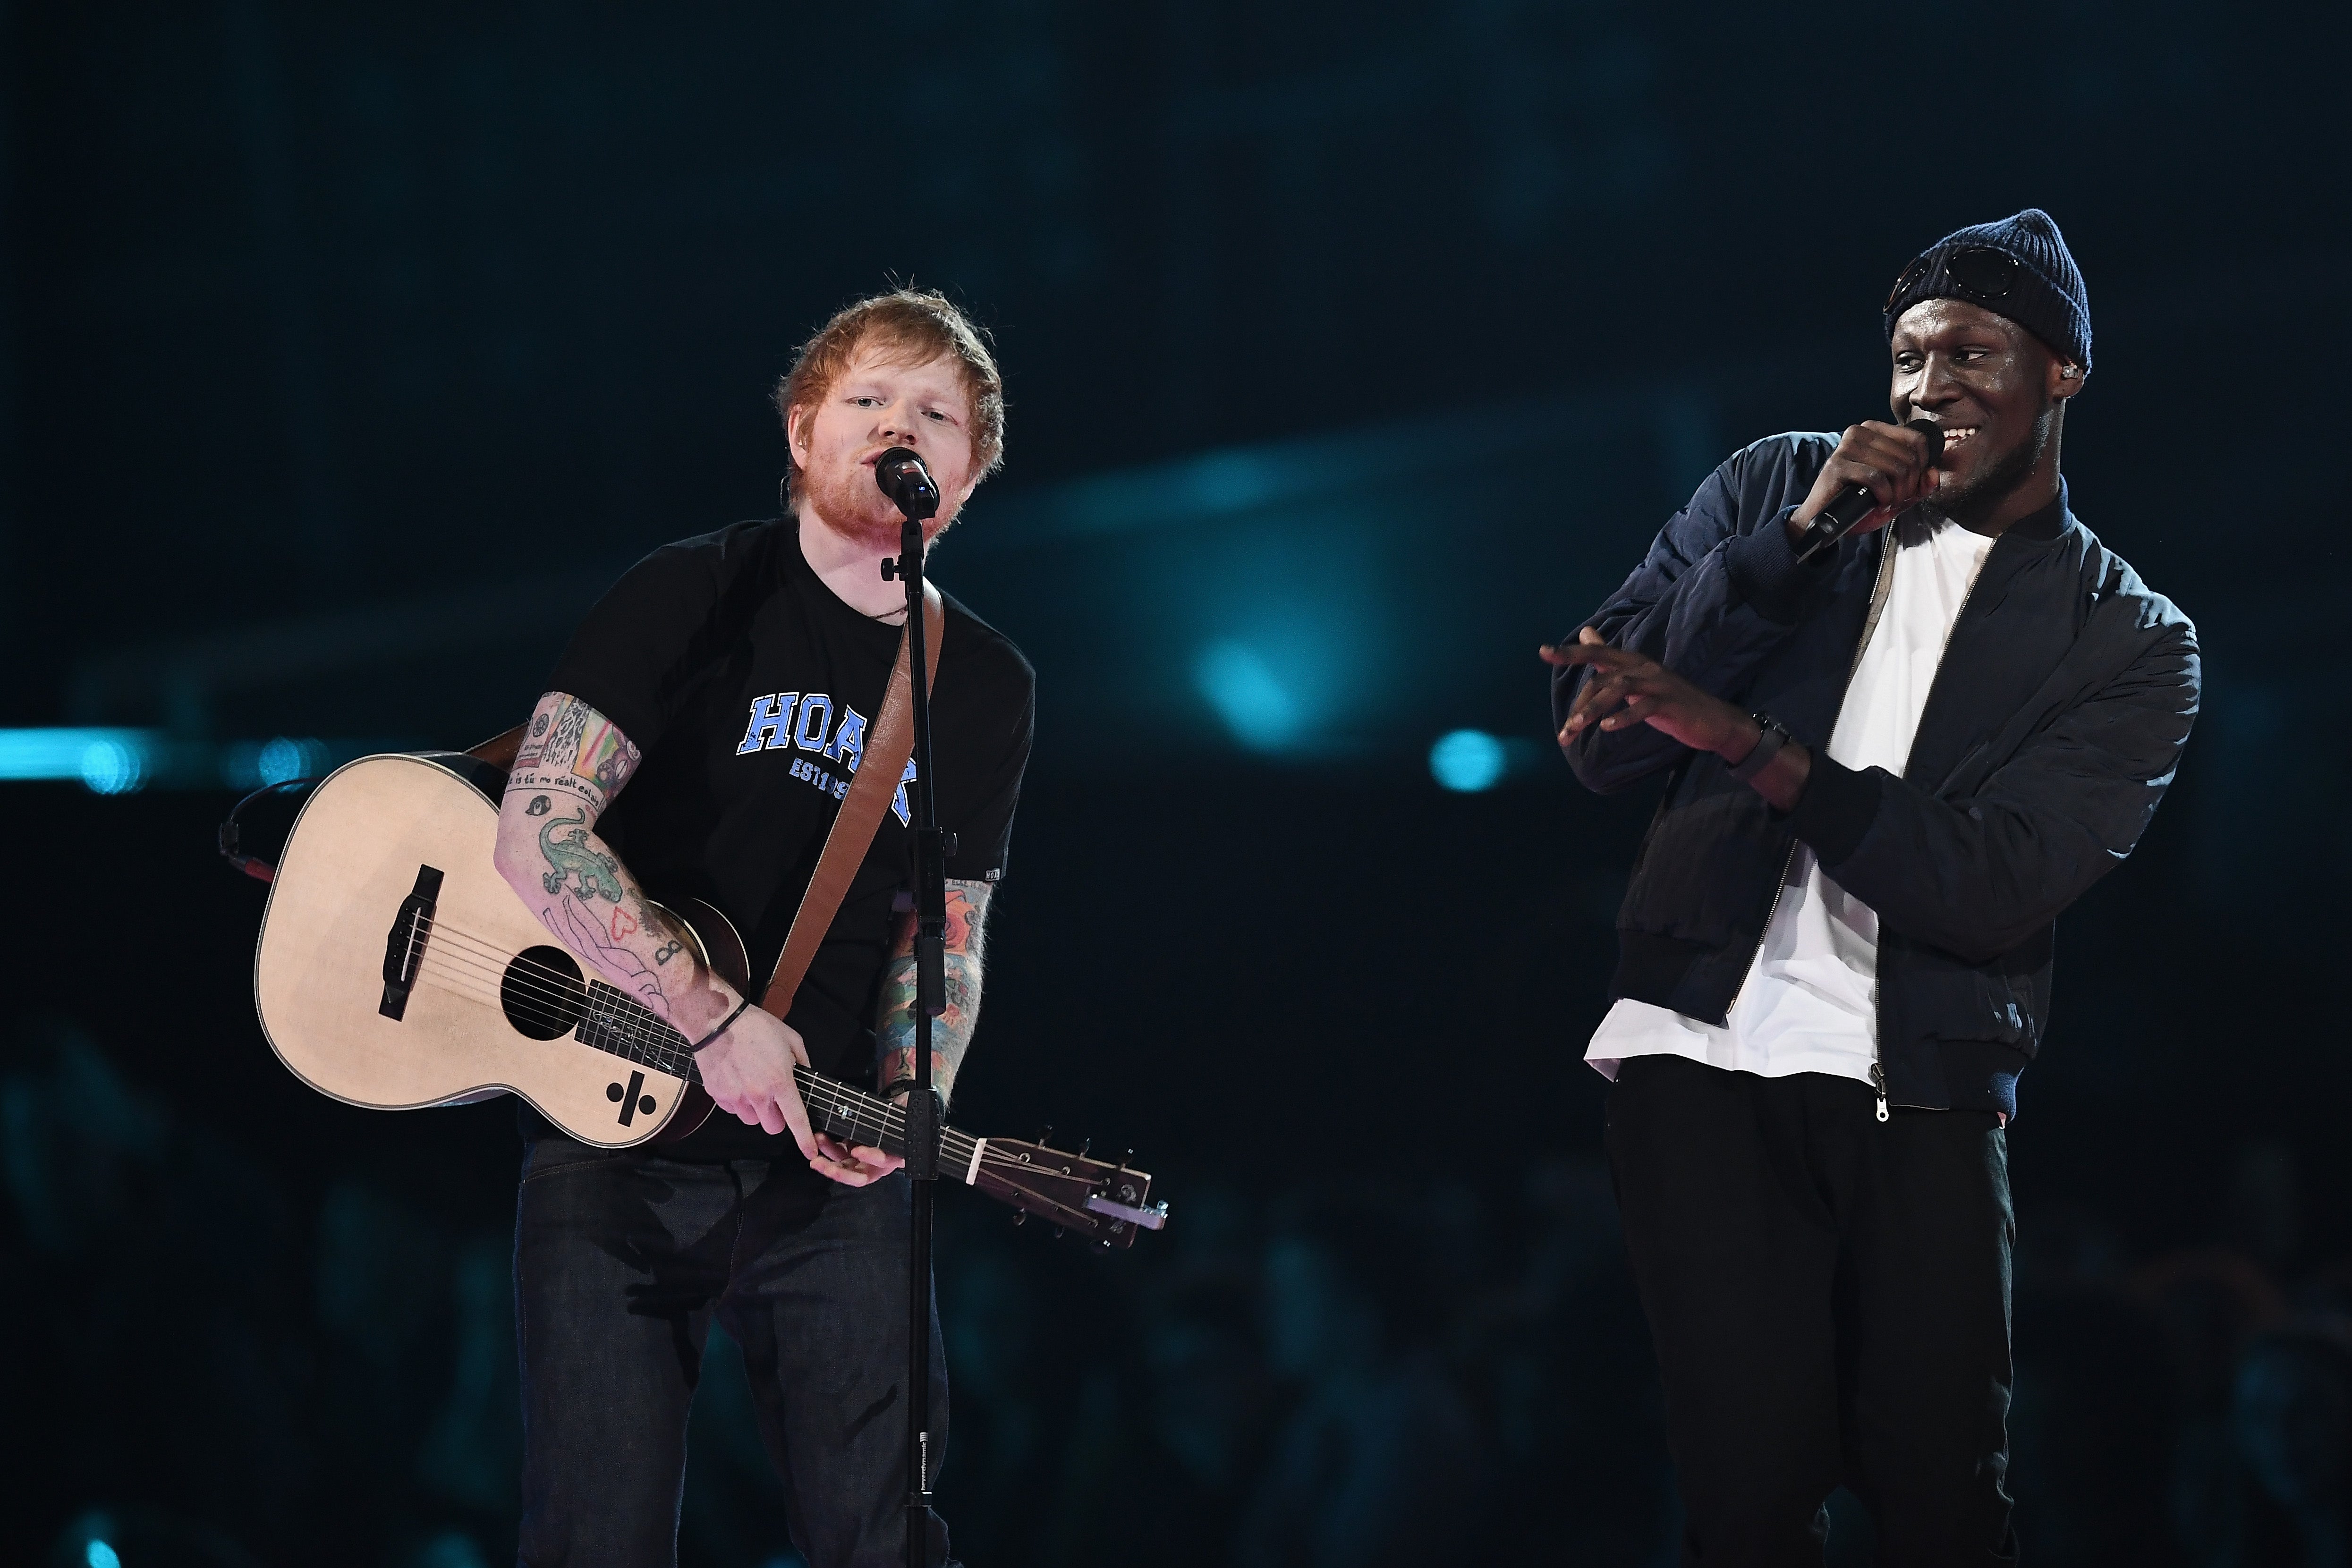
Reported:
(617, 1023)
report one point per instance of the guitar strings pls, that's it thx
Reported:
(519, 963)
(822, 1094)
(550, 979)
(557, 988)
(486, 965)
(568, 995)
(553, 985)
(481, 986)
(561, 996)
(564, 994)
(540, 1005)
(555, 980)
(862, 1109)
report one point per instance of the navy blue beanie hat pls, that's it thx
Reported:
(2037, 286)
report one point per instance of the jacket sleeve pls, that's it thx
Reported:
(1714, 595)
(1977, 875)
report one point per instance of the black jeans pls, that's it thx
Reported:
(621, 1259)
(1828, 1297)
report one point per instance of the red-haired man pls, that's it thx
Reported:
(698, 736)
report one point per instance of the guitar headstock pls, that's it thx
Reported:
(1096, 1201)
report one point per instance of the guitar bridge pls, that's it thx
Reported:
(404, 946)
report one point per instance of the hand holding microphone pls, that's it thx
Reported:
(1877, 471)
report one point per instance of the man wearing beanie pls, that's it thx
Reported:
(1888, 764)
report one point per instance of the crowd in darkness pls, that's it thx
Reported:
(1357, 1370)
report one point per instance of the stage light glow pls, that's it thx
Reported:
(283, 759)
(99, 1554)
(64, 754)
(1467, 759)
(1246, 693)
(126, 761)
(113, 767)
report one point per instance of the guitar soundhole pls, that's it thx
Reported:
(542, 994)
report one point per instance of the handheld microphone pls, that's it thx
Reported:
(1837, 520)
(903, 478)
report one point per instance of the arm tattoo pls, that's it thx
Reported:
(894, 1032)
(674, 937)
(574, 748)
(571, 718)
(533, 748)
(605, 758)
(573, 762)
(572, 855)
(580, 935)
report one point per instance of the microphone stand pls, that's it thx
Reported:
(931, 847)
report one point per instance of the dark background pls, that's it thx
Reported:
(346, 352)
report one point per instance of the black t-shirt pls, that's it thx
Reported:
(748, 687)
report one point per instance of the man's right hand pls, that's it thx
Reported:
(748, 1072)
(1888, 460)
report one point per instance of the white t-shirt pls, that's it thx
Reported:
(1810, 1001)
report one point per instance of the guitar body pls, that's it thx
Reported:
(465, 1028)
(398, 970)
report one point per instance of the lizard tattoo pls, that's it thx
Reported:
(570, 856)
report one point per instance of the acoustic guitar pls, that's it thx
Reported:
(398, 970)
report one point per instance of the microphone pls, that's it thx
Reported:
(1837, 520)
(903, 478)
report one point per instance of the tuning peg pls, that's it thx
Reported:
(1125, 1157)
(1046, 1137)
(1020, 1216)
(1059, 1233)
(1083, 1144)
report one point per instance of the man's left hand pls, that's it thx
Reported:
(852, 1164)
(855, 1164)
(1626, 688)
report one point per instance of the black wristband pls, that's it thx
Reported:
(725, 1024)
(1768, 746)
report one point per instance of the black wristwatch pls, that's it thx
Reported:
(1768, 746)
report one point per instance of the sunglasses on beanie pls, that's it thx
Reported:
(1975, 272)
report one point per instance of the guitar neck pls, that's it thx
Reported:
(852, 1115)
(618, 1023)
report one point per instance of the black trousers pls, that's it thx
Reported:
(622, 1261)
(1828, 1297)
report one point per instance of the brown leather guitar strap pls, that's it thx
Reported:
(499, 750)
(880, 768)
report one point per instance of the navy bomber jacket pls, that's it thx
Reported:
(2055, 721)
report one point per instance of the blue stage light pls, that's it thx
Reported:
(1254, 704)
(121, 761)
(90, 754)
(283, 759)
(113, 767)
(1467, 759)
(99, 1554)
